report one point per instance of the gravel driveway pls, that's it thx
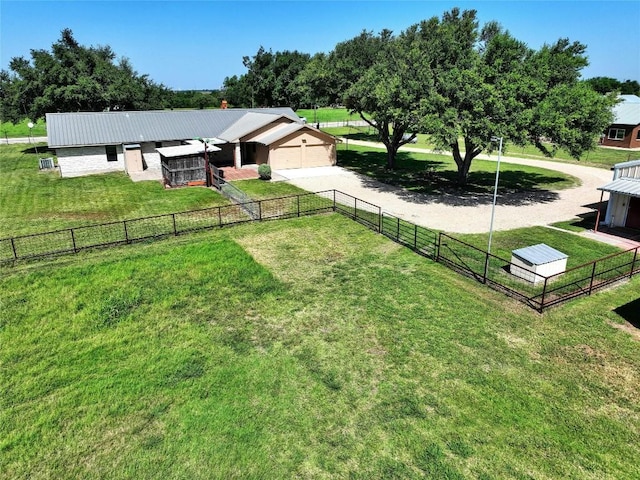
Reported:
(464, 214)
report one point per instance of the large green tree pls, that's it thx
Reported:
(72, 77)
(269, 81)
(464, 85)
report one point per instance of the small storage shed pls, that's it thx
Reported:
(536, 262)
(184, 164)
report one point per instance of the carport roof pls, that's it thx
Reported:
(624, 186)
(185, 150)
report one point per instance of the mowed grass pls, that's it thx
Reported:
(21, 129)
(579, 249)
(327, 114)
(36, 201)
(432, 173)
(601, 157)
(306, 348)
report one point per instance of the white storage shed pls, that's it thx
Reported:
(536, 262)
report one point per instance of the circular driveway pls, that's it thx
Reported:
(464, 214)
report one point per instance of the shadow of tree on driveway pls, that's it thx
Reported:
(434, 181)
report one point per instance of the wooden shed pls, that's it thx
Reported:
(184, 164)
(536, 262)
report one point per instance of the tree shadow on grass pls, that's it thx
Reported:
(38, 149)
(427, 181)
(630, 312)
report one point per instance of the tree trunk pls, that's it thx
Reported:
(391, 156)
(464, 163)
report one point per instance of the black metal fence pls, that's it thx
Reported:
(460, 256)
(546, 291)
(74, 240)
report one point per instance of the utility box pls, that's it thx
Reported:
(536, 262)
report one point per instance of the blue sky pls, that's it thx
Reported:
(196, 44)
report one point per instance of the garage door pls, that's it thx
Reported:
(285, 157)
(316, 156)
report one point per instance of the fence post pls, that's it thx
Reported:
(438, 247)
(260, 210)
(13, 247)
(73, 240)
(415, 236)
(486, 267)
(593, 274)
(299, 203)
(175, 230)
(398, 229)
(334, 199)
(544, 293)
(126, 233)
(633, 262)
(220, 216)
(355, 209)
(379, 220)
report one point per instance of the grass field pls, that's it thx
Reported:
(306, 348)
(327, 114)
(9, 130)
(35, 201)
(303, 348)
(599, 157)
(431, 173)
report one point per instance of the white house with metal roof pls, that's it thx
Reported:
(98, 142)
(623, 208)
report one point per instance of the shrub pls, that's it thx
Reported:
(264, 171)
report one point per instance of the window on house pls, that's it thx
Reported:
(158, 144)
(638, 135)
(616, 134)
(112, 153)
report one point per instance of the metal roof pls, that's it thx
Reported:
(627, 112)
(185, 150)
(539, 254)
(276, 133)
(630, 163)
(624, 185)
(112, 128)
(250, 122)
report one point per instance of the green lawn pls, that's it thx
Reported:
(434, 174)
(327, 114)
(36, 201)
(305, 348)
(600, 157)
(579, 249)
(9, 130)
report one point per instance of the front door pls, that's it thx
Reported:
(633, 214)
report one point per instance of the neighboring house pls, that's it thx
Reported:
(624, 132)
(623, 208)
(98, 142)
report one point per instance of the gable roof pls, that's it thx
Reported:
(627, 112)
(112, 128)
(250, 122)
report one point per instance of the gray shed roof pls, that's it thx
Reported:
(185, 150)
(539, 254)
(627, 112)
(624, 186)
(112, 128)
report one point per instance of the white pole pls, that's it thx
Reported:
(495, 192)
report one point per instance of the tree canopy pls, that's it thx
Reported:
(464, 85)
(72, 77)
(269, 81)
(606, 85)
